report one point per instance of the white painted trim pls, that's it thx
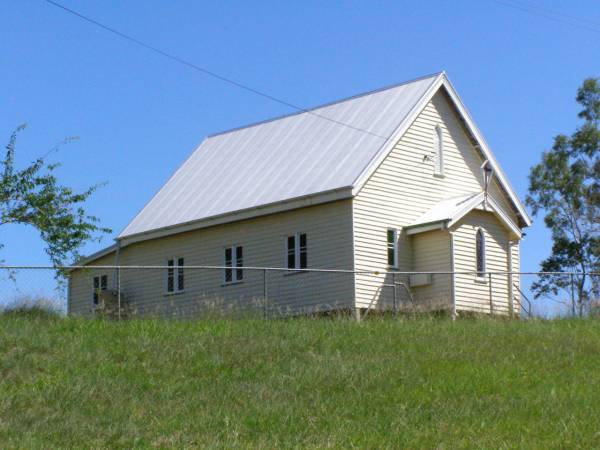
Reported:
(438, 141)
(176, 267)
(99, 254)
(503, 216)
(426, 227)
(395, 247)
(297, 250)
(353, 262)
(466, 209)
(234, 267)
(480, 275)
(99, 276)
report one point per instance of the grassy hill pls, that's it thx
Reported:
(299, 383)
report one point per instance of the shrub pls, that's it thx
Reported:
(36, 307)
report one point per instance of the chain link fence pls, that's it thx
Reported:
(193, 291)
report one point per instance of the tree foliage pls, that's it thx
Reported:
(33, 196)
(565, 188)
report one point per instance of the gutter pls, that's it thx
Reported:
(242, 214)
(87, 259)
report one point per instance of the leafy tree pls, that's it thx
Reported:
(32, 196)
(565, 187)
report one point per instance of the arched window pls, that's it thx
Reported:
(480, 252)
(438, 148)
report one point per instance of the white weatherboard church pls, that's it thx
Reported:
(398, 179)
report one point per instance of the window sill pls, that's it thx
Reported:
(291, 272)
(170, 294)
(481, 280)
(439, 175)
(231, 283)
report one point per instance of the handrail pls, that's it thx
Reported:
(528, 311)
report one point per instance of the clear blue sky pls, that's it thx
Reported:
(139, 115)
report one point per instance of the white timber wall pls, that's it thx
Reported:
(516, 280)
(471, 292)
(431, 253)
(81, 287)
(329, 234)
(404, 187)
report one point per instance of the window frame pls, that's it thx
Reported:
(438, 151)
(102, 286)
(298, 252)
(176, 265)
(236, 269)
(480, 275)
(391, 246)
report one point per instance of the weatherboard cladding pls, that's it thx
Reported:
(403, 191)
(287, 158)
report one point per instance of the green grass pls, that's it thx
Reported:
(299, 383)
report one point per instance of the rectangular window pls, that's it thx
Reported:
(180, 274)
(480, 253)
(291, 252)
(392, 252)
(239, 263)
(100, 283)
(175, 275)
(228, 263)
(170, 276)
(438, 149)
(297, 251)
(303, 253)
(96, 289)
(234, 263)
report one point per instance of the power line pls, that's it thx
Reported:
(206, 71)
(554, 15)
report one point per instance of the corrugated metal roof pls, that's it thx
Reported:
(281, 159)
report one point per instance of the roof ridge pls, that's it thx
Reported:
(323, 105)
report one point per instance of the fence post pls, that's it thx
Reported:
(491, 296)
(573, 294)
(395, 295)
(265, 295)
(119, 290)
